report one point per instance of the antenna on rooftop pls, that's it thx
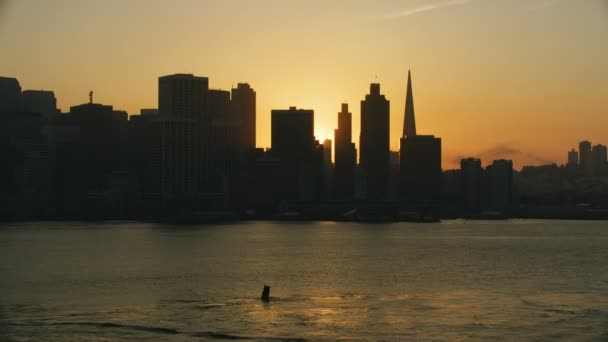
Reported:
(91, 97)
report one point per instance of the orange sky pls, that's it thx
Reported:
(519, 79)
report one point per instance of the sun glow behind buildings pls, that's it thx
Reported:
(485, 74)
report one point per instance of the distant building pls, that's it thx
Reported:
(183, 96)
(598, 158)
(219, 104)
(328, 169)
(374, 143)
(585, 159)
(420, 168)
(420, 159)
(409, 122)
(40, 101)
(148, 112)
(345, 156)
(293, 142)
(102, 142)
(244, 109)
(181, 139)
(394, 179)
(499, 184)
(10, 96)
(572, 157)
(471, 174)
(176, 160)
(292, 134)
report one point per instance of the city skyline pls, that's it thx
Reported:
(516, 90)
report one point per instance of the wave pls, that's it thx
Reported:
(158, 330)
(171, 331)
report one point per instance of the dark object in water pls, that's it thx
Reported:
(266, 294)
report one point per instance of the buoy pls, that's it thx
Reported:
(266, 294)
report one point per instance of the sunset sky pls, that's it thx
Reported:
(519, 79)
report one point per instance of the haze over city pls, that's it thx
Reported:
(523, 80)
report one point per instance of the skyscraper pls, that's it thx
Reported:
(244, 109)
(598, 158)
(374, 143)
(420, 168)
(292, 136)
(584, 154)
(328, 169)
(572, 157)
(10, 95)
(345, 156)
(420, 158)
(219, 104)
(181, 138)
(471, 177)
(409, 123)
(293, 142)
(499, 184)
(40, 101)
(183, 96)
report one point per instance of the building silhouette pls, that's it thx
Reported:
(244, 109)
(471, 174)
(10, 96)
(180, 140)
(293, 143)
(183, 96)
(498, 185)
(598, 158)
(195, 156)
(420, 168)
(328, 170)
(572, 157)
(374, 143)
(40, 101)
(409, 122)
(585, 159)
(420, 159)
(345, 157)
(219, 104)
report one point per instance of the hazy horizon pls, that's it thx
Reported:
(522, 80)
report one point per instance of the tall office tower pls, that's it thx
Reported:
(572, 157)
(183, 96)
(293, 143)
(420, 168)
(219, 104)
(140, 141)
(471, 175)
(584, 154)
(40, 101)
(292, 136)
(374, 143)
(345, 156)
(103, 134)
(420, 158)
(598, 158)
(499, 184)
(244, 109)
(10, 96)
(328, 169)
(181, 139)
(409, 123)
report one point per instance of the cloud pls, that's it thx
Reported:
(420, 9)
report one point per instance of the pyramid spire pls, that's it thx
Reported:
(409, 122)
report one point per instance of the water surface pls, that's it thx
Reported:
(456, 280)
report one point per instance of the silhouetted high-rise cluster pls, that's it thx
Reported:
(195, 158)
